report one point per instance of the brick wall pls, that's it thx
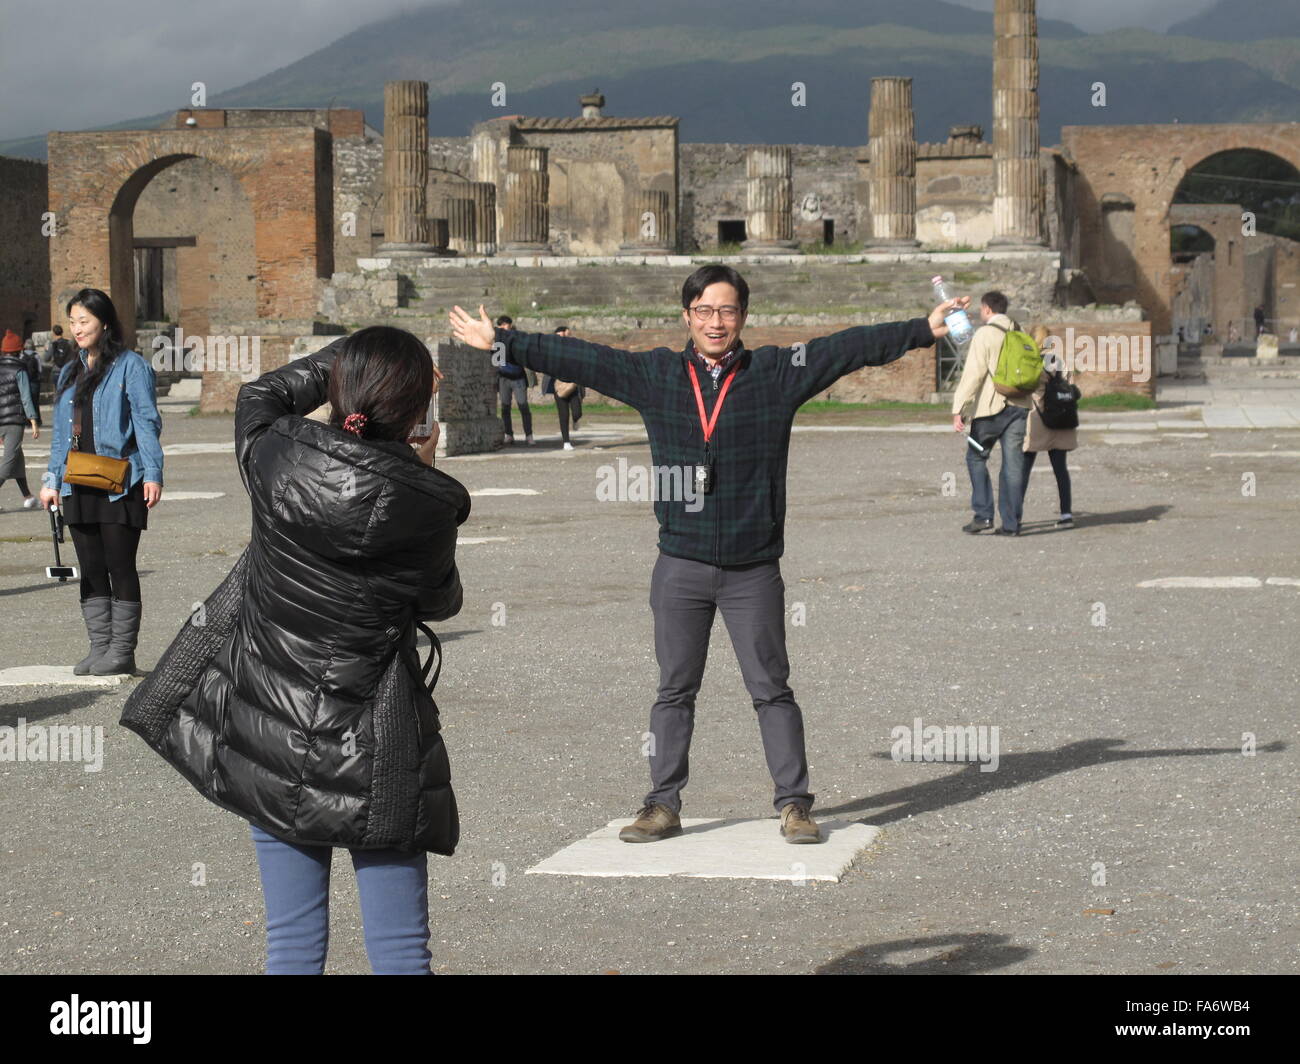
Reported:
(24, 251)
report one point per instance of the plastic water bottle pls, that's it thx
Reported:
(959, 327)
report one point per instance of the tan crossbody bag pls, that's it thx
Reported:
(91, 470)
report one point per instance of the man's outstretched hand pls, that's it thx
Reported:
(942, 311)
(478, 333)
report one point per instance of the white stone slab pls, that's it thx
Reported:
(714, 849)
(62, 675)
(188, 496)
(1271, 417)
(504, 491)
(1283, 581)
(1203, 581)
(471, 540)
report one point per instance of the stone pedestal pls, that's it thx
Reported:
(769, 222)
(1017, 171)
(406, 170)
(467, 398)
(893, 164)
(647, 224)
(1266, 346)
(527, 192)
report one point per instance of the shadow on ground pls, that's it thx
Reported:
(1014, 770)
(965, 955)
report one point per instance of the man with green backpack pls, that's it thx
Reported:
(1002, 369)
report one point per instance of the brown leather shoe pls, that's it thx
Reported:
(797, 826)
(653, 822)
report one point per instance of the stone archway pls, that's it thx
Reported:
(95, 180)
(1147, 164)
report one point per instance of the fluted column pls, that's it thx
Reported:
(528, 186)
(461, 230)
(484, 196)
(892, 182)
(406, 169)
(1017, 172)
(647, 223)
(769, 223)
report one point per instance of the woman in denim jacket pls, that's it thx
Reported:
(113, 391)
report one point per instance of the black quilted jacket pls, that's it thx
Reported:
(292, 698)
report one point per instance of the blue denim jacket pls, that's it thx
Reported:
(127, 422)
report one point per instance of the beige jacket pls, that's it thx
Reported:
(1038, 437)
(976, 384)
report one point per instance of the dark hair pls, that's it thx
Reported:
(385, 374)
(697, 282)
(505, 319)
(98, 305)
(561, 328)
(995, 301)
(58, 330)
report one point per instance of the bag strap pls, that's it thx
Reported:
(419, 672)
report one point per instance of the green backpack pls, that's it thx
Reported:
(1020, 364)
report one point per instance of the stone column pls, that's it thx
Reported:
(769, 222)
(528, 212)
(892, 180)
(461, 232)
(1017, 172)
(484, 195)
(647, 224)
(406, 169)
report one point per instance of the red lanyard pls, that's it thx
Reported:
(707, 425)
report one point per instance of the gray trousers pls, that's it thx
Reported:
(11, 461)
(684, 596)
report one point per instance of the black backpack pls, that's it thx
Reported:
(1060, 405)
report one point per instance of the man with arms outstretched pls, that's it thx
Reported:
(718, 417)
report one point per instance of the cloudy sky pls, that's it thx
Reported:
(71, 66)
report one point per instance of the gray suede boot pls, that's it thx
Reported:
(120, 656)
(98, 614)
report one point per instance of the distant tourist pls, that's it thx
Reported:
(104, 404)
(718, 416)
(1295, 333)
(512, 383)
(1259, 320)
(32, 364)
(17, 411)
(58, 351)
(568, 398)
(1038, 437)
(993, 418)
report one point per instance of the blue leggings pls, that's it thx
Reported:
(394, 907)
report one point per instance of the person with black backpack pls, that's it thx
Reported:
(1053, 421)
(58, 351)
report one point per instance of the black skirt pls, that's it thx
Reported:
(89, 506)
(92, 506)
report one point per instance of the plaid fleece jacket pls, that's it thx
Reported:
(742, 519)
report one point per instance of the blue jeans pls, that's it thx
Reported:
(394, 907)
(1008, 426)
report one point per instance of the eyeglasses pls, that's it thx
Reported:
(703, 312)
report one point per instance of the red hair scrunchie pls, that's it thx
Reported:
(354, 423)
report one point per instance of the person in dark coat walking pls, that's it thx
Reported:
(568, 398)
(18, 409)
(299, 704)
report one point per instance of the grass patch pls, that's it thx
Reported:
(1117, 401)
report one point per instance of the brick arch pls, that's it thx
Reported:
(95, 180)
(1147, 164)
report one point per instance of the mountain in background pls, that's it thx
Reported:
(726, 68)
(1243, 20)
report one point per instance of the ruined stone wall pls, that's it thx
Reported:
(828, 185)
(214, 279)
(24, 251)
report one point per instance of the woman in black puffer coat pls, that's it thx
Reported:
(295, 698)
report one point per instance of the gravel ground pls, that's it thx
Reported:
(1120, 744)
